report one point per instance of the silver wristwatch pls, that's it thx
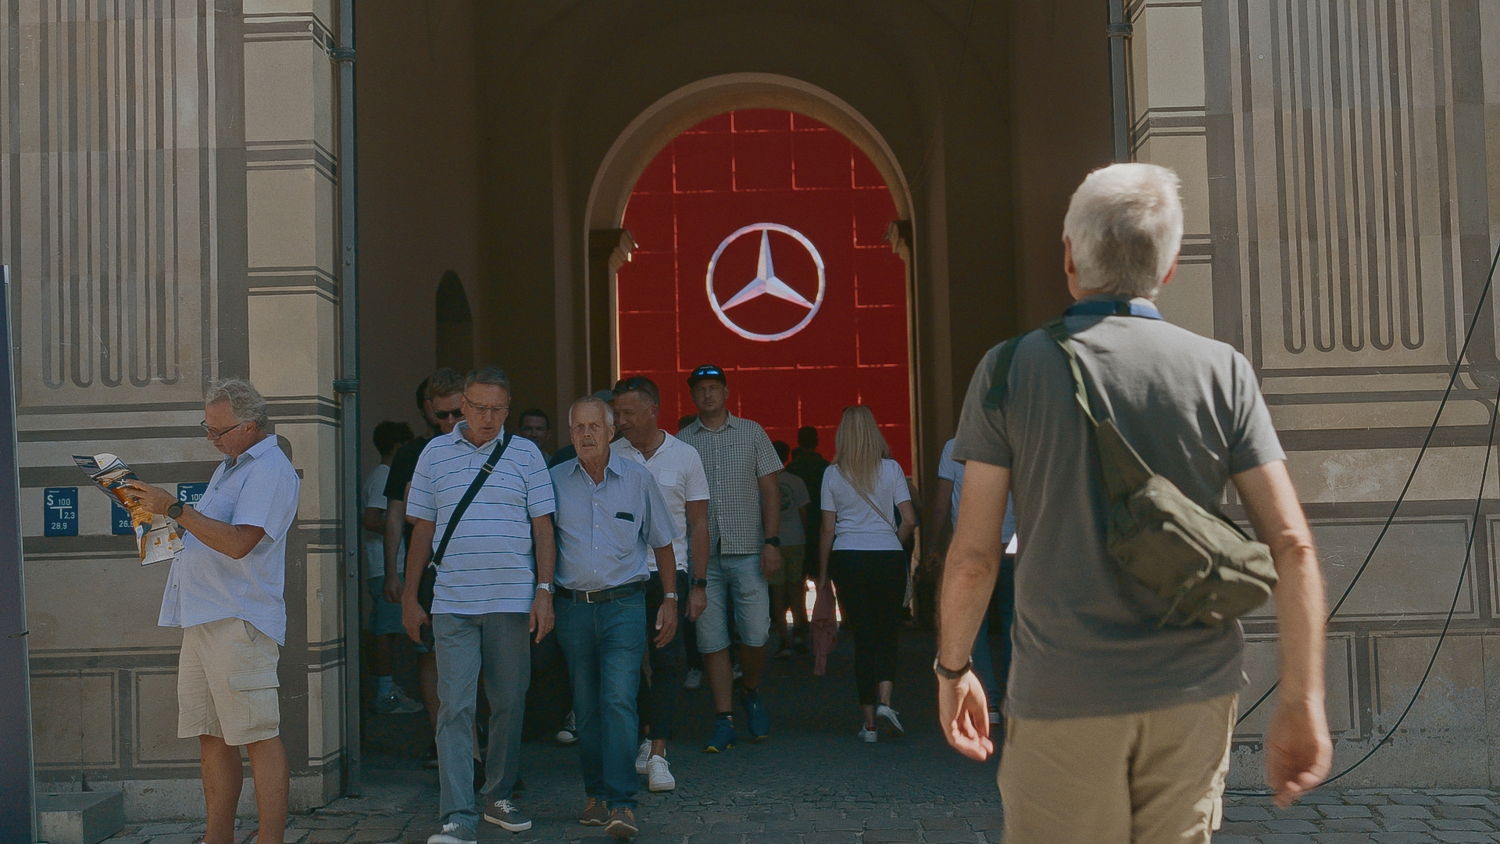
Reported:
(545, 587)
(666, 595)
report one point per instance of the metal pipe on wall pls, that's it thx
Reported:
(1119, 83)
(346, 385)
(17, 776)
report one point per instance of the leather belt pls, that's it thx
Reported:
(603, 596)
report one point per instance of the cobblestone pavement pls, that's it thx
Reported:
(813, 782)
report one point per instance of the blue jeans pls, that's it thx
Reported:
(605, 644)
(995, 674)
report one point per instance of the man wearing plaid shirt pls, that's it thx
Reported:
(744, 519)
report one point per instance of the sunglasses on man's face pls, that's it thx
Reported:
(456, 413)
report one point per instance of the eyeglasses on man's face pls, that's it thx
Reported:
(485, 409)
(456, 413)
(215, 435)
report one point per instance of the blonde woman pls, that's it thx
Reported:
(867, 519)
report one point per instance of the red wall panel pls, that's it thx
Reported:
(765, 166)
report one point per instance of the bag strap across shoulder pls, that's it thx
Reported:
(469, 495)
(861, 493)
(1122, 467)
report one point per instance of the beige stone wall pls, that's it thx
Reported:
(168, 175)
(1341, 178)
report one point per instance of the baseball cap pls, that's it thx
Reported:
(705, 372)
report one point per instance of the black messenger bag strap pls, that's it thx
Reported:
(469, 495)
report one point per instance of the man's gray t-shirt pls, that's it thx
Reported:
(1086, 641)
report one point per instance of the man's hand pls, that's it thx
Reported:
(153, 498)
(770, 560)
(964, 716)
(394, 587)
(697, 602)
(1298, 750)
(666, 623)
(541, 615)
(413, 618)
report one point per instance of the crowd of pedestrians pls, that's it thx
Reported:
(644, 548)
(635, 552)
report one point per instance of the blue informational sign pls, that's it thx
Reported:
(190, 493)
(119, 520)
(60, 511)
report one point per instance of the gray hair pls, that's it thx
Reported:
(609, 412)
(1125, 227)
(245, 402)
(492, 375)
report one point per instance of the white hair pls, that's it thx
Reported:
(1125, 227)
(245, 402)
(609, 412)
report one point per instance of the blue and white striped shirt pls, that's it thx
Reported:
(490, 563)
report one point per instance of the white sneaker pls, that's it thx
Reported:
(868, 736)
(892, 719)
(568, 733)
(454, 833)
(643, 757)
(738, 671)
(659, 775)
(693, 680)
(397, 702)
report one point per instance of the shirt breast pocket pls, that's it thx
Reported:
(623, 529)
(668, 479)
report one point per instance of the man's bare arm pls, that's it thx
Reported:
(968, 580)
(770, 504)
(973, 562)
(231, 540)
(1298, 750)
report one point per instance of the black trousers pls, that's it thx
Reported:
(871, 585)
(657, 700)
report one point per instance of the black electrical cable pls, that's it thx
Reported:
(1417, 464)
(1468, 547)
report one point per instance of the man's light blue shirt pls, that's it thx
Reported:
(259, 489)
(490, 563)
(605, 530)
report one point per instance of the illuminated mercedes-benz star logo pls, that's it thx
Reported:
(765, 283)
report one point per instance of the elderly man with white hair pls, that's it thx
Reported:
(225, 592)
(1118, 727)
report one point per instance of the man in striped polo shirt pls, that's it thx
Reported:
(493, 587)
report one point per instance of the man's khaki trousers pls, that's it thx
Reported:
(1147, 777)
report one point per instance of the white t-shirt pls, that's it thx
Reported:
(793, 497)
(856, 526)
(678, 470)
(374, 496)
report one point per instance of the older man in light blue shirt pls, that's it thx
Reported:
(225, 591)
(609, 511)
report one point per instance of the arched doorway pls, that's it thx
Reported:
(612, 246)
(760, 242)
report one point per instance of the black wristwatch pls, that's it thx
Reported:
(948, 674)
(700, 581)
(175, 511)
(773, 541)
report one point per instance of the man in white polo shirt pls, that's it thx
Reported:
(493, 586)
(678, 471)
(225, 592)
